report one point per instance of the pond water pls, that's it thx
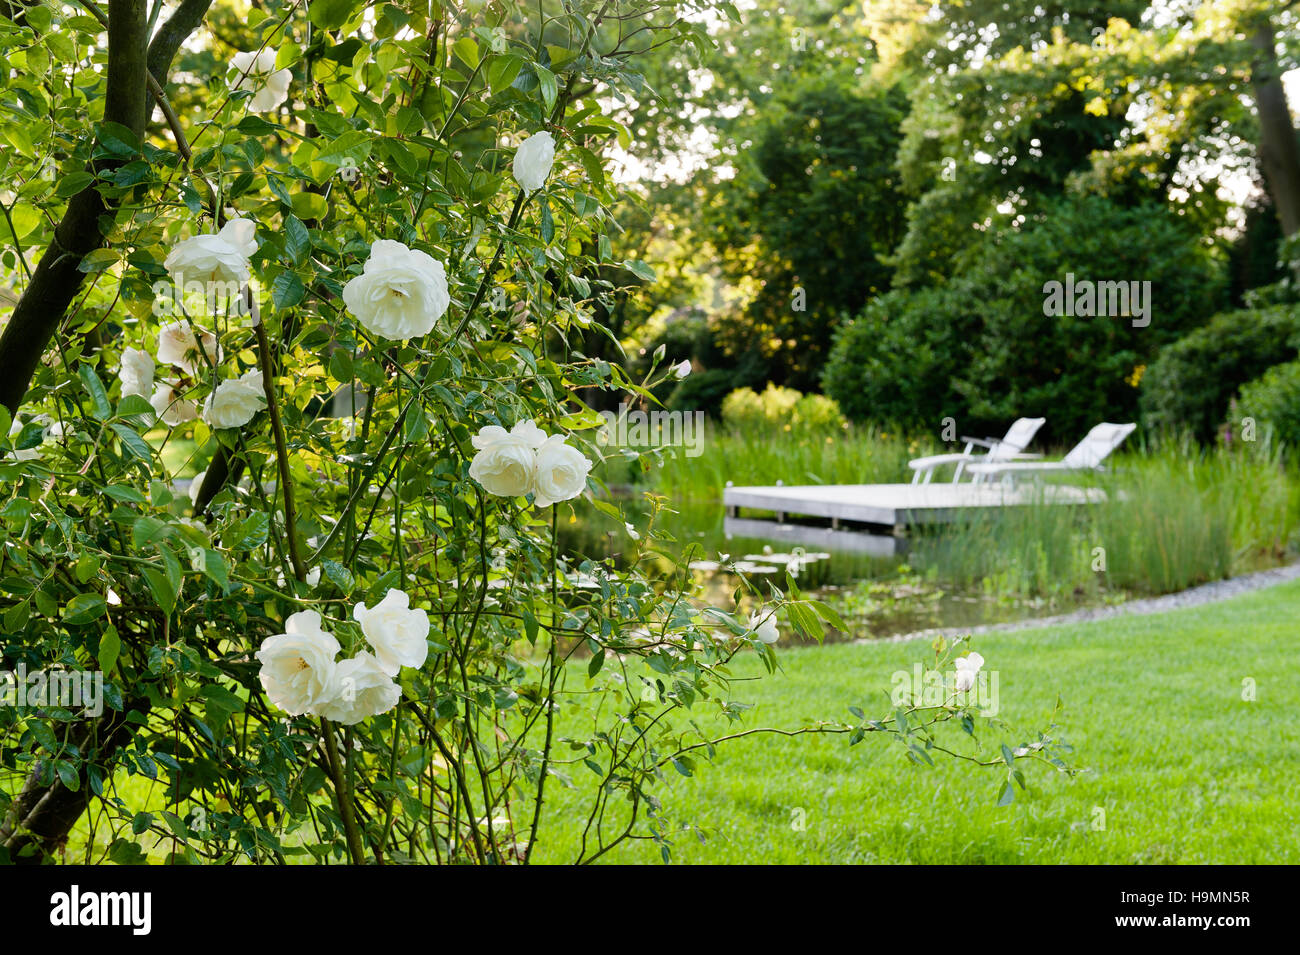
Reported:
(882, 586)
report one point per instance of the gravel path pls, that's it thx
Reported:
(1193, 597)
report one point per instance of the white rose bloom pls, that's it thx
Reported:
(682, 368)
(257, 72)
(560, 472)
(298, 669)
(214, 257)
(136, 372)
(763, 622)
(233, 403)
(400, 293)
(170, 408)
(398, 634)
(968, 667)
(364, 690)
(178, 346)
(533, 161)
(506, 459)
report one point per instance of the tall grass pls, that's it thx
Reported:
(1174, 517)
(849, 455)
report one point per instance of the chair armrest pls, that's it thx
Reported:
(982, 442)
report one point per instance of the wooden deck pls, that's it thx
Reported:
(899, 505)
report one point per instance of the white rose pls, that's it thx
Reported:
(560, 472)
(298, 669)
(398, 634)
(763, 622)
(533, 161)
(136, 372)
(178, 346)
(233, 403)
(968, 667)
(220, 257)
(682, 368)
(170, 408)
(505, 460)
(400, 293)
(257, 72)
(363, 690)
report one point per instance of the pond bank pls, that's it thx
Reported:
(1212, 592)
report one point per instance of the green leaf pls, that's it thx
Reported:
(84, 608)
(416, 425)
(1007, 795)
(68, 775)
(297, 241)
(467, 50)
(502, 71)
(135, 406)
(132, 441)
(116, 139)
(127, 495)
(546, 80)
(548, 223)
(214, 565)
(110, 645)
(161, 588)
(146, 530)
(95, 388)
(98, 260)
(287, 290)
(597, 661)
(331, 14)
(309, 205)
(338, 575)
(640, 270)
(249, 533)
(72, 184)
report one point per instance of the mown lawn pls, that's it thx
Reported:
(1185, 770)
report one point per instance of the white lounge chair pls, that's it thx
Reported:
(1010, 448)
(1087, 455)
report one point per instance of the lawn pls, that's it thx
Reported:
(1185, 770)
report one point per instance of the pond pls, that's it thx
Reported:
(881, 585)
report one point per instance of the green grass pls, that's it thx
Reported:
(1185, 770)
(852, 455)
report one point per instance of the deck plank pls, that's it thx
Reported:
(902, 505)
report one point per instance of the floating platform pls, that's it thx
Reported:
(899, 506)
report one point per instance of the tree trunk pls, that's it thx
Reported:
(41, 816)
(55, 283)
(1279, 152)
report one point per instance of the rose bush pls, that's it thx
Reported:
(359, 638)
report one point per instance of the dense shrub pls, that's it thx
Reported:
(884, 366)
(1189, 386)
(980, 349)
(1273, 400)
(776, 407)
